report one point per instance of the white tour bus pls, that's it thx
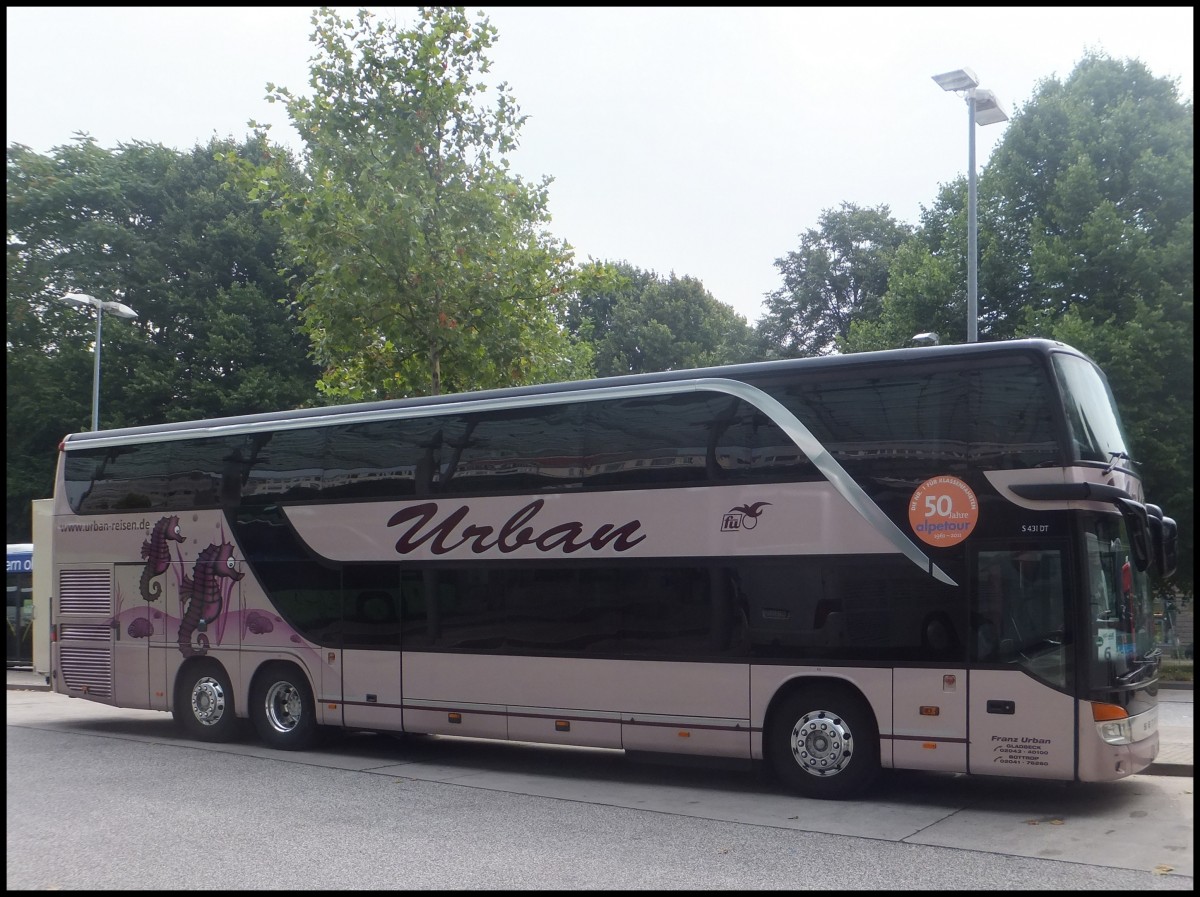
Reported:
(934, 558)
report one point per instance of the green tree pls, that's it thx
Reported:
(428, 265)
(1091, 193)
(838, 275)
(638, 322)
(924, 295)
(1086, 236)
(156, 229)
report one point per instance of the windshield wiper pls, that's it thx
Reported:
(1148, 664)
(1113, 458)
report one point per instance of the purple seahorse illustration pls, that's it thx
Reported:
(204, 593)
(157, 553)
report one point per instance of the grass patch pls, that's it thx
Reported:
(1174, 669)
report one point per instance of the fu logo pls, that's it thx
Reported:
(742, 517)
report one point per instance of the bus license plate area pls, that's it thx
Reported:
(1144, 724)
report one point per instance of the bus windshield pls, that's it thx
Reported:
(1120, 613)
(1091, 412)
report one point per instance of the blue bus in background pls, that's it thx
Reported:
(20, 605)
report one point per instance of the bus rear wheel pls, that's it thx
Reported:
(823, 742)
(282, 708)
(204, 702)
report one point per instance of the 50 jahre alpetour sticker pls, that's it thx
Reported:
(943, 511)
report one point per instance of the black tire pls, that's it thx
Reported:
(822, 742)
(204, 702)
(282, 708)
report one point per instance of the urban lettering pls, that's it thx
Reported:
(445, 535)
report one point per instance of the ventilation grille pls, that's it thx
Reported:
(88, 670)
(85, 592)
(80, 632)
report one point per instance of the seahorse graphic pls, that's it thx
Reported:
(157, 553)
(204, 593)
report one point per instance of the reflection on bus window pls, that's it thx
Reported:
(1018, 616)
(1120, 611)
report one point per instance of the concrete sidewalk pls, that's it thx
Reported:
(1174, 755)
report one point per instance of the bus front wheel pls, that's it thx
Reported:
(281, 705)
(204, 702)
(823, 742)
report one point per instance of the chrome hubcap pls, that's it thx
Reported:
(283, 707)
(821, 743)
(208, 701)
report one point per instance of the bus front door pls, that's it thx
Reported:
(1022, 720)
(1020, 726)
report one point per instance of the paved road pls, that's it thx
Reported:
(106, 798)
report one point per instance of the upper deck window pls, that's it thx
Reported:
(1096, 429)
(992, 415)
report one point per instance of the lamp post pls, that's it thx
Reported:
(118, 309)
(982, 109)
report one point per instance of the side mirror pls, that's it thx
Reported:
(1164, 541)
(1154, 519)
(1136, 520)
(1170, 549)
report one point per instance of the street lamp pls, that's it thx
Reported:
(983, 109)
(118, 309)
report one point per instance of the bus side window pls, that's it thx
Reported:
(998, 591)
(371, 606)
(1017, 617)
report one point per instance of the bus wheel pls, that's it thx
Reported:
(823, 742)
(281, 705)
(204, 702)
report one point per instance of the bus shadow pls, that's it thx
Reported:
(908, 788)
(554, 762)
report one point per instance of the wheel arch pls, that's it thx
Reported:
(242, 670)
(267, 663)
(814, 682)
(821, 736)
(184, 671)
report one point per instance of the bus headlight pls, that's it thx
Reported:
(1112, 723)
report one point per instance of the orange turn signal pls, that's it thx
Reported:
(1104, 712)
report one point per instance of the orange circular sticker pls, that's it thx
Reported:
(943, 511)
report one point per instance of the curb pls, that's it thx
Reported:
(1185, 770)
(32, 686)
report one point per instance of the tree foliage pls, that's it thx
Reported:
(638, 322)
(923, 297)
(155, 229)
(421, 261)
(1085, 235)
(1092, 192)
(839, 274)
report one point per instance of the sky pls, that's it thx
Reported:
(700, 142)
